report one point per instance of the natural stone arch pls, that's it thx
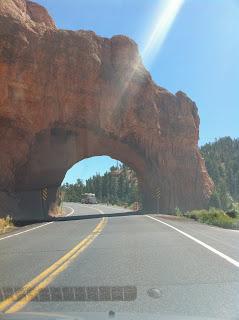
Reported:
(56, 150)
(77, 94)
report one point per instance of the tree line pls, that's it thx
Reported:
(119, 186)
(222, 162)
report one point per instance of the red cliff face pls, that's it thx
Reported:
(70, 95)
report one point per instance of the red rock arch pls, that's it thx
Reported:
(69, 95)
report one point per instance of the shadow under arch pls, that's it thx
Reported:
(55, 150)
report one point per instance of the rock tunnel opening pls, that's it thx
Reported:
(54, 151)
(111, 181)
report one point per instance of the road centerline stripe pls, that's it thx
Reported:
(203, 244)
(54, 269)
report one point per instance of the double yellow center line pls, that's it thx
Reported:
(31, 289)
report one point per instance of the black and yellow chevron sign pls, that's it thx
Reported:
(44, 193)
(157, 193)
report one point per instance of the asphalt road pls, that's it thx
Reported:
(119, 260)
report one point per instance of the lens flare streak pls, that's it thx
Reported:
(168, 11)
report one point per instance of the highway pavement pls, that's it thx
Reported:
(97, 261)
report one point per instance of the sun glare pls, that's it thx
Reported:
(167, 12)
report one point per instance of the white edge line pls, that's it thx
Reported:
(203, 244)
(28, 230)
(34, 228)
(71, 213)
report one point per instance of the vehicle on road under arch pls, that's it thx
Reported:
(89, 198)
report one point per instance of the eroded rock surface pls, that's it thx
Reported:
(66, 95)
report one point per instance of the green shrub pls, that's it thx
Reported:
(214, 217)
(178, 212)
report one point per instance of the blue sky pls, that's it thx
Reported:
(200, 55)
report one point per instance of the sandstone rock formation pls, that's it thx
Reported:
(66, 96)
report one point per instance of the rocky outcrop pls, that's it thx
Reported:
(66, 96)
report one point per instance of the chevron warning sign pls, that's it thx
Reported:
(156, 193)
(44, 193)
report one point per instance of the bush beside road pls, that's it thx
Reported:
(213, 216)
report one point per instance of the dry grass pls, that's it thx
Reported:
(56, 211)
(5, 224)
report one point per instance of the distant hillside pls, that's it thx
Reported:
(222, 162)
